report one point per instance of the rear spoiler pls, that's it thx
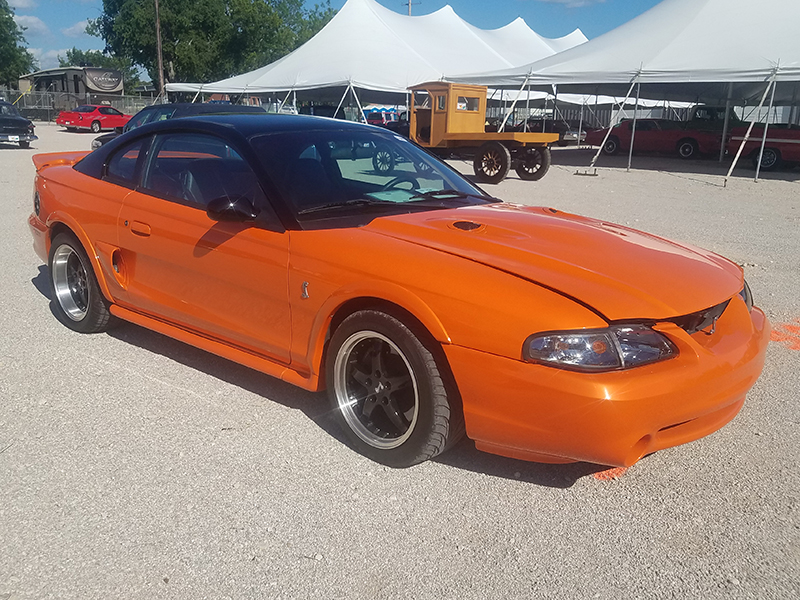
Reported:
(52, 159)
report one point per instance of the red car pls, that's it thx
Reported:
(90, 116)
(656, 135)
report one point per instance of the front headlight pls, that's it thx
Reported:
(747, 296)
(618, 347)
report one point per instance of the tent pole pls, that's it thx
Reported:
(197, 94)
(749, 129)
(726, 122)
(361, 117)
(513, 104)
(580, 128)
(342, 100)
(280, 106)
(633, 127)
(608, 133)
(766, 128)
(527, 109)
(294, 101)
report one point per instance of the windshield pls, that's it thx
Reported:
(348, 170)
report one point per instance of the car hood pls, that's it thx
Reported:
(620, 272)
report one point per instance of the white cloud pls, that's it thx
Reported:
(33, 26)
(77, 30)
(47, 59)
(18, 4)
(574, 3)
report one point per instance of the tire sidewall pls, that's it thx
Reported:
(411, 451)
(91, 321)
(611, 147)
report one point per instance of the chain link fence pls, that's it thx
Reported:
(45, 106)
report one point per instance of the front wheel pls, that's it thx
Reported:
(687, 148)
(492, 162)
(77, 300)
(534, 164)
(95, 127)
(388, 392)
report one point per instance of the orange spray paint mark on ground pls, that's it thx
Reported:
(787, 334)
(610, 474)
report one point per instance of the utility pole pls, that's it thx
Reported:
(409, 3)
(158, 51)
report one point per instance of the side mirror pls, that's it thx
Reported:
(237, 208)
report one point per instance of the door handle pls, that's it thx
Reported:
(139, 228)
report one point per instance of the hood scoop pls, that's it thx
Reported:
(468, 226)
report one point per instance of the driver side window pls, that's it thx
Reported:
(195, 169)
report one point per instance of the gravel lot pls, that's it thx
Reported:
(133, 466)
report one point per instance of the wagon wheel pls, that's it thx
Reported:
(534, 163)
(492, 162)
(383, 160)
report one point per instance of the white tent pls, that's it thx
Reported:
(680, 49)
(370, 47)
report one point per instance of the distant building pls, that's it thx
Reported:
(79, 82)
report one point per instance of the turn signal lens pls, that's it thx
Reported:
(618, 347)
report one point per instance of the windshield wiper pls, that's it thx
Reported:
(346, 204)
(448, 194)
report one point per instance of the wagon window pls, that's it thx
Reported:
(467, 103)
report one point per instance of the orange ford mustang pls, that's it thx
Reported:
(425, 307)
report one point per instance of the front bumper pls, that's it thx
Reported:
(17, 137)
(535, 412)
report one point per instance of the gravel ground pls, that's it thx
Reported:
(133, 466)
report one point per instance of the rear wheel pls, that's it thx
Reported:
(533, 164)
(388, 392)
(611, 147)
(770, 159)
(77, 300)
(687, 148)
(95, 127)
(492, 162)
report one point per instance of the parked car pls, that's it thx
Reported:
(14, 127)
(425, 307)
(656, 135)
(162, 112)
(92, 117)
(782, 145)
(381, 118)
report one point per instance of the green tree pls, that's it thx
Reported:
(95, 58)
(206, 40)
(15, 60)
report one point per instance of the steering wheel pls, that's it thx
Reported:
(405, 177)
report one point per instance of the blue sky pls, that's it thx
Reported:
(54, 26)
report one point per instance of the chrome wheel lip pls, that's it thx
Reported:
(70, 283)
(348, 406)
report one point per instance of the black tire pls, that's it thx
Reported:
(383, 160)
(687, 148)
(388, 392)
(95, 127)
(24, 144)
(492, 162)
(770, 160)
(76, 298)
(534, 164)
(611, 147)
